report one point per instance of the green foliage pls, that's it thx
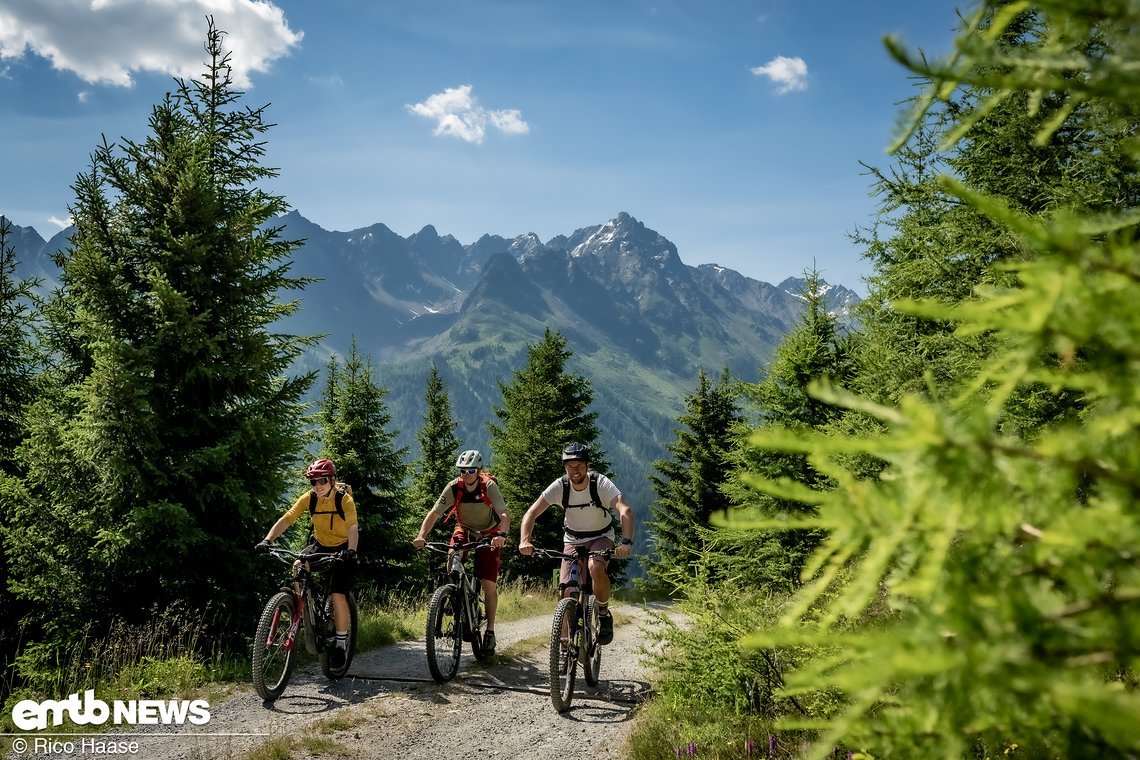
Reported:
(17, 353)
(1005, 552)
(435, 467)
(166, 422)
(17, 391)
(689, 487)
(812, 350)
(543, 409)
(354, 424)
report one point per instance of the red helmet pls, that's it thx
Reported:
(320, 468)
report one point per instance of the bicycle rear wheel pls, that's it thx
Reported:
(591, 649)
(444, 633)
(563, 662)
(272, 661)
(329, 639)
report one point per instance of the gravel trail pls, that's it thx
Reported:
(388, 707)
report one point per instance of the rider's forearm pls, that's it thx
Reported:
(353, 537)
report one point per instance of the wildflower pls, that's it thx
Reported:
(749, 747)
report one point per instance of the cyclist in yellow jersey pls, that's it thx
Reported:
(335, 531)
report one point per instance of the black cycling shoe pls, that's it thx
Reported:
(489, 643)
(337, 657)
(605, 627)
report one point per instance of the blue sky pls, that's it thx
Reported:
(734, 128)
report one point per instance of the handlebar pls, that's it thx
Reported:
(553, 554)
(444, 547)
(315, 561)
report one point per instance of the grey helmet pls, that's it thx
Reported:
(469, 458)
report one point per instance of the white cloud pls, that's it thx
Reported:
(457, 114)
(107, 41)
(61, 223)
(789, 73)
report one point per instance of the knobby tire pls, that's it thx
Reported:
(562, 684)
(444, 633)
(480, 625)
(272, 664)
(590, 648)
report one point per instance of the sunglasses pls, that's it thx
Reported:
(469, 470)
(318, 481)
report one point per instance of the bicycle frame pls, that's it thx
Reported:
(306, 603)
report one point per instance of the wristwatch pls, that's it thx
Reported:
(627, 542)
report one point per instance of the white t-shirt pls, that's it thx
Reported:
(582, 515)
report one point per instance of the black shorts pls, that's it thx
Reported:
(342, 575)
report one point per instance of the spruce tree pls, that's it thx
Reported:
(544, 407)
(17, 351)
(814, 349)
(690, 486)
(169, 422)
(354, 421)
(17, 389)
(435, 467)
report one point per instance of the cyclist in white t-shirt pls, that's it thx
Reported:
(588, 498)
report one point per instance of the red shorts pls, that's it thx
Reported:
(593, 545)
(486, 558)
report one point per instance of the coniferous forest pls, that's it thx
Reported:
(916, 537)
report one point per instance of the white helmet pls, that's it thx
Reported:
(469, 458)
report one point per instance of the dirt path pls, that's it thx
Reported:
(388, 707)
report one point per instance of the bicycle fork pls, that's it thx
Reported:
(294, 627)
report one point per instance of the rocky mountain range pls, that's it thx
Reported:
(639, 321)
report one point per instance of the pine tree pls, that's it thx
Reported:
(354, 424)
(17, 353)
(689, 486)
(435, 467)
(813, 350)
(544, 407)
(17, 389)
(168, 425)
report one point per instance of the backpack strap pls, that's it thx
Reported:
(595, 499)
(457, 491)
(337, 499)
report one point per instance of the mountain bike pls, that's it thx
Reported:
(574, 630)
(302, 610)
(456, 613)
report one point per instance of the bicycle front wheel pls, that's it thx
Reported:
(590, 648)
(272, 659)
(563, 661)
(444, 633)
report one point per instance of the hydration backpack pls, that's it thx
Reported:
(457, 491)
